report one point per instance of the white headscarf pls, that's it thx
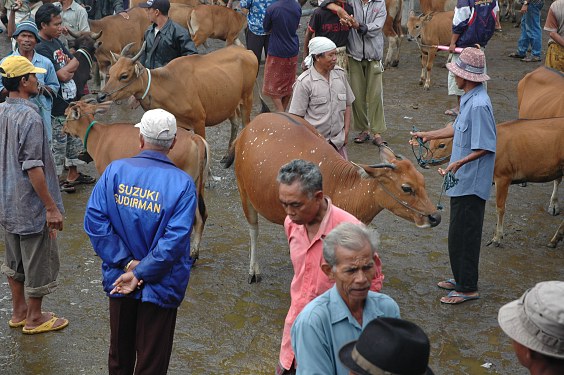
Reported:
(318, 45)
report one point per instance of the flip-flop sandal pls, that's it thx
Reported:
(445, 285)
(362, 137)
(46, 327)
(13, 324)
(378, 140)
(464, 297)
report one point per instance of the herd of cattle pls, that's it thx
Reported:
(205, 90)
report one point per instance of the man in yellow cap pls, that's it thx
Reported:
(30, 204)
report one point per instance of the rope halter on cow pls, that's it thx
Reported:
(423, 149)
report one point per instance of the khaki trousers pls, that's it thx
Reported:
(365, 78)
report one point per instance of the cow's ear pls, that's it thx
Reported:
(97, 45)
(103, 107)
(75, 112)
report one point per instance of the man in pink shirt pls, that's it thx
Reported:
(311, 216)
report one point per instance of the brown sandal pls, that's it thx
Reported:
(362, 137)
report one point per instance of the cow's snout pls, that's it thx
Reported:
(435, 219)
(101, 97)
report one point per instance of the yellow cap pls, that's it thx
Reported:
(17, 66)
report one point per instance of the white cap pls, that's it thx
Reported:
(158, 124)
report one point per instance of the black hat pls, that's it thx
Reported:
(162, 5)
(388, 344)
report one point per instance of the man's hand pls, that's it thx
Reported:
(524, 8)
(54, 221)
(452, 167)
(414, 135)
(126, 284)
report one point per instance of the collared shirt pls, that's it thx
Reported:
(309, 280)
(49, 79)
(474, 129)
(326, 324)
(257, 11)
(322, 103)
(24, 146)
(75, 18)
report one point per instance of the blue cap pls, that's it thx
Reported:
(27, 26)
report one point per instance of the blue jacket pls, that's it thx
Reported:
(143, 208)
(474, 21)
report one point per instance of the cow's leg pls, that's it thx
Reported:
(392, 50)
(557, 236)
(234, 129)
(424, 57)
(501, 191)
(237, 42)
(553, 207)
(252, 219)
(201, 209)
(430, 60)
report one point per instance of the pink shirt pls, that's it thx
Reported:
(309, 280)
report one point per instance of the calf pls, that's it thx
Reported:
(108, 142)
(218, 22)
(430, 30)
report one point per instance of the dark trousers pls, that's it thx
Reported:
(257, 43)
(465, 239)
(142, 331)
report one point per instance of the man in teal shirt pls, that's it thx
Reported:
(339, 315)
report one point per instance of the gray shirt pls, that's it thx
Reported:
(23, 146)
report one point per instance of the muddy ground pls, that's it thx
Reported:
(226, 326)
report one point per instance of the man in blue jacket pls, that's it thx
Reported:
(139, 219)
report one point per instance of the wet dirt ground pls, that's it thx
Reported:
(226, 326)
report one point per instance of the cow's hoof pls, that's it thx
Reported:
(494, 242)
(226, 161)
(420, 83)
(552, 245)
(426, 87)
(256, 278)
(395, 63)
(553, 210)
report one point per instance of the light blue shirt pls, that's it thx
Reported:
(45, 103)
(474, 129)
(326, 324)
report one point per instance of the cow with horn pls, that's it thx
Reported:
(274, 139)
(200, 90)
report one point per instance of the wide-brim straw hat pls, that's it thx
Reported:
(471, 65)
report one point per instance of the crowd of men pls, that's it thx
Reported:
(338, 321)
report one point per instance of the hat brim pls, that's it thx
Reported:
(345, 355)
(18, 32)
(456, 70)
(38, 70)
(510, 322)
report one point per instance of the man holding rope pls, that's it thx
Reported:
(471, 167)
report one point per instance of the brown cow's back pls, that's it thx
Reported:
(436, 5)
(540, 94)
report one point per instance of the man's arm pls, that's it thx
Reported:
(300, 99)
(105, 241)
(83, 20)
(462, 13)
(117, 5)
(37, 180)
(446, 132)
(187, 46)
(551, 25)
(51, 82)
(267, 22)
(66, 73)
(173, 244)
(312, 349)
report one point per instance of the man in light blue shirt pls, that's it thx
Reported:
(339, 315)
(27, 37)
(471, 165)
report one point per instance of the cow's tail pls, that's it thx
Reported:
(228, 160)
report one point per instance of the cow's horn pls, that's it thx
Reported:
(114, 56)
(136, 57)
(73, 34)
(96, 36)
(383, 165)
(126, 49)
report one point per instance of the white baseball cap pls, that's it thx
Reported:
(158, 124)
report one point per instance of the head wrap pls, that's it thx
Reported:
(318, 45)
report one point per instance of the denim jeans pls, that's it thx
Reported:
(531, 33)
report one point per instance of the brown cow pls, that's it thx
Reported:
(193, 3)
(526, 151)
(200, 90)
(557, 236)
(113, 33)
(428, 6)
(393, 31)
(430, 30)
(218, 22)
(540, 94)
(271, 140)
(108, 142)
